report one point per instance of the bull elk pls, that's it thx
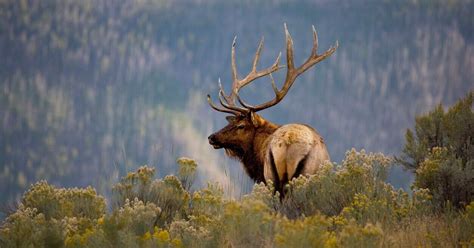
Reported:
(266, 150)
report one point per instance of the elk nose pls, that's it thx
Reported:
(211, 138)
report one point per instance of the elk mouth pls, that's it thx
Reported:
(215, 144)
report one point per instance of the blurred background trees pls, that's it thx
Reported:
(92, 89)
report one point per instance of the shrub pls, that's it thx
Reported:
(186, 172)
(347, 205)
(248, 223)
(307, 232)
(59, 202)
(334, 187)
(29, 228)
(168, 193)
(441, 152)
(361, 236)
(53, 217)
(125, 225)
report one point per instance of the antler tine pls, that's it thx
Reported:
(315, 58)
(209, 100)
(234, 65)
(257, 55)
(292, 72)
(228, 101)
(223, 99)
(221, 91)
(289, 51)
(248, 106)
(253, 74)
(314, 51)
(258, 74)
(274, 87)
(230, 106)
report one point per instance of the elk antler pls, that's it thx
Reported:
(228, 101)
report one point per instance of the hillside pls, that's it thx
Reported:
(92, 89)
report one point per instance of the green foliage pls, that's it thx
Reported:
(248, 223)
(347, 205)
(334, 187)
(167, 193)
(134, 219)
(52, 217)
(28, 228)
(361, 236)
(59, 203)
(442, 152)
(307, 232)
(186, 172)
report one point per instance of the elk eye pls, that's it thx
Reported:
(240, 126)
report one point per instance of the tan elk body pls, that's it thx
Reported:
(268, 151)
(293, 149)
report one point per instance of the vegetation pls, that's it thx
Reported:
(343, 205)
(441, 152)
(90, 90)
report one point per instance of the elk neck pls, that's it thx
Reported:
(254, 157)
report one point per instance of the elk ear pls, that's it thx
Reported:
(230, 118)
(256, 119)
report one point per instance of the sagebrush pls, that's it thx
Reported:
(344, 205)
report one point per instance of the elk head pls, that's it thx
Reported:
(245, 135)
(238, 136)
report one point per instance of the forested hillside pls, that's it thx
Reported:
(92, 89)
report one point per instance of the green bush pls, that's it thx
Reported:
(334, 186)
(50, 217)
(59, 203)
(167, 193)
(28, 228)
(441, 152)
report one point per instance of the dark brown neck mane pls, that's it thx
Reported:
(253, 158)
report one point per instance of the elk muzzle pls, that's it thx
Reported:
(214, 142)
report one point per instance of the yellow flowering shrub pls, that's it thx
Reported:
(311, 231)
(134, 217)
(59, 202)
(197, 232)
(334, 186)
(27, 227)
(186, 171)
(248, 223)
(168, 193)
(353, 235)
(346, 205)
(429, 169)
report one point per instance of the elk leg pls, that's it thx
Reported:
(300, 167)
(276, 178)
